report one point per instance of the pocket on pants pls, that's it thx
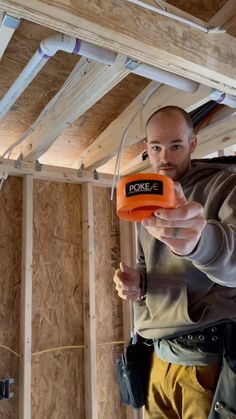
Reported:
(205, 377)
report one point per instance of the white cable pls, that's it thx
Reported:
(3, 177)
(160, 5)
(116, 176)
(178, 18)
(79, 69)
(2, 180)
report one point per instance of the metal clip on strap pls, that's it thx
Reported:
(226, 413)
(5, 392)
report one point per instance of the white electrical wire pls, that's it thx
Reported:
(176, 17)
(3, 177)
(116, 176)
(80, 68)
(160, 5)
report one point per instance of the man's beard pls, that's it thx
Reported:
(178, 173)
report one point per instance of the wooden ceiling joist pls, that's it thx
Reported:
(217, 136)
(207, 58)
(83, 91)
(107, 144)
(226, 17)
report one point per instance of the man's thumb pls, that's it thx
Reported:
(179, 195)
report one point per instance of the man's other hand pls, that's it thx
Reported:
(127, 282)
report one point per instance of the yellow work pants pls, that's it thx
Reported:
(180, 391)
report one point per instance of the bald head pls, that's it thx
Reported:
(168, 112)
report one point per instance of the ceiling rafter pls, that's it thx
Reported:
(217, 136)
(225, 17)
(221, 138)
(107, 144)
(172, 46)
(80, 95)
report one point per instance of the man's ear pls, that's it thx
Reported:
(193, 144)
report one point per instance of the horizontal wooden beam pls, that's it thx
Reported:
(54, 173)
(217, 136)
(107, 144)
(85, 88)
(208, 58)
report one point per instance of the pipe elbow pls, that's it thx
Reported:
(49, 46)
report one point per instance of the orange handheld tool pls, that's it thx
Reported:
(139, 195)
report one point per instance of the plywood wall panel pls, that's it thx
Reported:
(109, 402)
(57, 377)
(10, 276)
(108, 305)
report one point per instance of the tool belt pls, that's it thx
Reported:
(210, 339)
(219, 339)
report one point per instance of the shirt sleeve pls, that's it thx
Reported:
(215, 253)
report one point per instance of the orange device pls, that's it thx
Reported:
(139, 195)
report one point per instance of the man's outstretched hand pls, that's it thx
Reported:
(180, 228)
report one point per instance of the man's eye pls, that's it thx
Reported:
(156, 148)
(176, 147)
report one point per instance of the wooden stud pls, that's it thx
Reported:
(128, 256)
(90, 356)
(26, 300)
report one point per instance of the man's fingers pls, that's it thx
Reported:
(174, 233)
(184, 212)
(162, 223)
(128, 295)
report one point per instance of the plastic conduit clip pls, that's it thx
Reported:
(139, 195)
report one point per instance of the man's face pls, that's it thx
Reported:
(169, 145)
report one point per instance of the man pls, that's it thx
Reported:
(184, 284)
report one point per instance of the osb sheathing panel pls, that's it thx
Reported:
(108, 305)
(57, 377)
(10, 276)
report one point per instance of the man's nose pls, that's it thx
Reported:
(165, 155)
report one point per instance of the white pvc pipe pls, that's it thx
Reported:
(48, 48)
(223, 98)
(23, 80)
(165, 77)
(96, 53)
